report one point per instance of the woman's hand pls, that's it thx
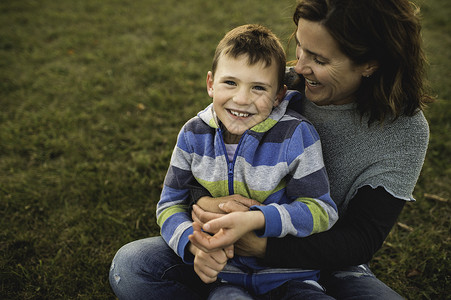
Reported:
(208, 208)
(251, 245)
(211, 204)
(202, 216)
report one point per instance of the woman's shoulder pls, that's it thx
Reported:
(412, 126)
(417, 118)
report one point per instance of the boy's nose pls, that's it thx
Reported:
(242, 97)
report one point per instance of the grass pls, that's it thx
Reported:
(92, 96)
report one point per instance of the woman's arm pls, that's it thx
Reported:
(351, 241)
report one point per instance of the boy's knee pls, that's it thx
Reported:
(124, 262)
(128, 255)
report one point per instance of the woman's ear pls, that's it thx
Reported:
(369, 68)
(280, 95)
(210, 84)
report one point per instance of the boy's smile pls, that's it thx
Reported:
(239, 114)
(243, 95)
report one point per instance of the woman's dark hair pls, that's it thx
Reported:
(386, 31)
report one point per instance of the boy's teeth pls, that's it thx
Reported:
(238, 114)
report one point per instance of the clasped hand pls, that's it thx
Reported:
(216, 234)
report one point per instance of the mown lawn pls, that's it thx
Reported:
(92, 95)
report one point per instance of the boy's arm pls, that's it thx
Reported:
(312, 210)
(173, 208)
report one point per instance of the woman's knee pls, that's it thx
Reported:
(357, 282)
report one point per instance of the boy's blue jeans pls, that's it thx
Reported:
(149, 269)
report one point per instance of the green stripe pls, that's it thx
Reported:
(212, 123)
(169, 212)
(264, 126)
(216, 188)
(320, 216)
(260, 196)
(221, 188)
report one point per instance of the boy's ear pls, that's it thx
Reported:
(210, 84)
(280, 95)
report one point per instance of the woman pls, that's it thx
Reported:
(362, 65)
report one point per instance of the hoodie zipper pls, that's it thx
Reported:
(230, 164)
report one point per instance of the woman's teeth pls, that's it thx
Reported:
(311, 82)
(238, 114)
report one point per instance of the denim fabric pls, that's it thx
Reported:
(149, 269)
(293, 289)
(356, 282)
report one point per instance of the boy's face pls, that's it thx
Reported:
(243, 95)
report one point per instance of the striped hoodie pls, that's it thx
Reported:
(278, 162)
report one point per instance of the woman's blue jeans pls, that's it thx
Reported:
(149, 269)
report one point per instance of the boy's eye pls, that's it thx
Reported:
(259, 88)
(230, 82)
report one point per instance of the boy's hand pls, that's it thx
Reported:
(226, 229)
(208, 265)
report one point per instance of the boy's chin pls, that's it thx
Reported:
(232, 137)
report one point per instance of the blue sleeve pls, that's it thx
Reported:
(173, 208)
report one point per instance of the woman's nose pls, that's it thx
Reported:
(302, 66)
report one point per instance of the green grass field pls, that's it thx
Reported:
(92, 95)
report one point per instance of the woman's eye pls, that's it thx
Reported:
(297, 42)
(319, 62)
(259, 88)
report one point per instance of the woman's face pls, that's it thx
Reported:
(330, 76)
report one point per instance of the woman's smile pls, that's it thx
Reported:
(312, 83)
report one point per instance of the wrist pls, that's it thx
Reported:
(257, 220)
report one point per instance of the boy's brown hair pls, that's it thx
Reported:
(255, 41)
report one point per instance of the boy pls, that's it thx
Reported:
(246, 142)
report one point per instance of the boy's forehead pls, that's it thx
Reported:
(243, 56)
(239, 68)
